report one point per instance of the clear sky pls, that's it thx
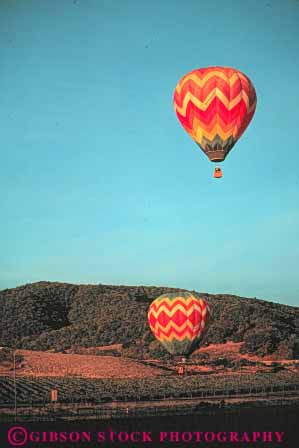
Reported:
(99, 183)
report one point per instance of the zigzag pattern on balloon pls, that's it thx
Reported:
(176, 310)
(179, 333)
(177, 319)
(215, 106)
(171, 306)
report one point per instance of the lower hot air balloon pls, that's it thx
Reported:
(178, 321)
(215, 105)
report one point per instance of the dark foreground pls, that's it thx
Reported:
(242, 427)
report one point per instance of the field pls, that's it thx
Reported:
(96, 363)
(39, 364)
(90, 380)
(36, 390)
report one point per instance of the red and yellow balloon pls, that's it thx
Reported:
(178, 321)
(215, 105)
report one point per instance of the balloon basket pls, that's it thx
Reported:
(181, 371)
(217, 172)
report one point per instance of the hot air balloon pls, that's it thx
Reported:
(215, 105)
(178, 321)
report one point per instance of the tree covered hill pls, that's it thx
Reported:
(61, 316)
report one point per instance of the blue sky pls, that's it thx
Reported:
(99, 183)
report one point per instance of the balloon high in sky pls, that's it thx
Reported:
(215, 105)
(100, 183)
(178, 321)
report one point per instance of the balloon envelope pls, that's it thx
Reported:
(215, 105)
(178, 321)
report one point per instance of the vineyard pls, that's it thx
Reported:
(36, 391)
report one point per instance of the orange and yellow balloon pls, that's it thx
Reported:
(178, 321)
(215, 105)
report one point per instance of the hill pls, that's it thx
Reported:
(61, 316)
